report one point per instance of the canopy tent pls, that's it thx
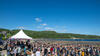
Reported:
(20, 35)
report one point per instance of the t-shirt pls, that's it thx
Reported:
(19, 49)
(51, 49)
(32, 55)
(38, 53)
(82, 53)
(15, 51)
(48, 49)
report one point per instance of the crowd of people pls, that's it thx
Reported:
(40, 48)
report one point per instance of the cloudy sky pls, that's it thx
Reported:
(64, 16)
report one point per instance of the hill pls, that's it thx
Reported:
(49, 34)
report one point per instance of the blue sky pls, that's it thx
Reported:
(64, 16)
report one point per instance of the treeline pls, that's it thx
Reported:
(49, 34)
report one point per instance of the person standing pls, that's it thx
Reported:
(58, 51)
(38, 53)
(15, 51)
(32, 53)
(82, 53)
(48, 51)
(45, 52)
(19, 50)
(51, 50)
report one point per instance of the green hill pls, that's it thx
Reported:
(50, 34)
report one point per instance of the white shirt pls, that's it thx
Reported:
(15, 51)
(19, 49)
(32, 55)
(37, 53)
(48, 49)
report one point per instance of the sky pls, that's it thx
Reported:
(62, 16)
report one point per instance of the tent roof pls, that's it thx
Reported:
(20, 35)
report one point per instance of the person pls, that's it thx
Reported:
(79, 53)
(49, 51)
(15, 51)
(25, 50)
(45, 52)
(19, 50)
(58, 51)
(11, 53)
(97, 53)
(38, 53)
(33, 54)
(83, 53)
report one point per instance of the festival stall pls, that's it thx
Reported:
(21, 35)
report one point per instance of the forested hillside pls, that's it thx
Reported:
(48, 34)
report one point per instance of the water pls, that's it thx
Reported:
(77, 39)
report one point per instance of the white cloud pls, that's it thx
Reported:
(62, 31)
(43, 24)
(49, 28)
(21, 27)
(38, 19)
(39, 27)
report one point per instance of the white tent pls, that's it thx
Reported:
(20, 35)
